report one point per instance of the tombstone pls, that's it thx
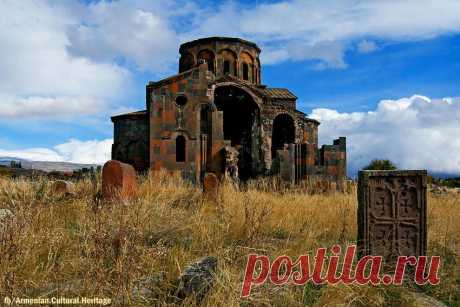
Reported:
(287, 165)
(333, 187)
(211, 186)
(118, 180)
(350, 184)
(392, 213)
(231, 165)
(64, 187)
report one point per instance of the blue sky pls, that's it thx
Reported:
(66, 67)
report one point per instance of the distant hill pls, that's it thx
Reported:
(46, 166)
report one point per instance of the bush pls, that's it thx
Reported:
(377, 164)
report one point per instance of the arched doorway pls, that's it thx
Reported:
(283, 132)
(241, 127)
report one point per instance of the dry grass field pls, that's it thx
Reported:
(82, 246)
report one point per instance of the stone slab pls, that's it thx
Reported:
(392, 213)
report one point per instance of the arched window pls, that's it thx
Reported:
(245, 71)
(208, 56)
(283, 132)
(226, 67)
(230, 57)
(180, 148)
(248, 63)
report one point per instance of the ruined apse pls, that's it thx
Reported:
(216, 116)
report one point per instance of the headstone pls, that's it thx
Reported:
(286, 158)
(333, 187)
(350, 184)
(392, 213)
(211, 186)
(63, 187)
(197, 278)
(231, 164)
(118, 180)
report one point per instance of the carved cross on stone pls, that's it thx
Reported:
(392, 213)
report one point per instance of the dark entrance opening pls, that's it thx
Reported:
(180, 149)
(226, 67)
(283, 132)
(241, 127)
(245, 71)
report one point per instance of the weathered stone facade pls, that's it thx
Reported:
(217, 101)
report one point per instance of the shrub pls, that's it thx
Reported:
(378, 164)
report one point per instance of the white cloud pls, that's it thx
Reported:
(63, 55)
(38, 76)
(74, 150)
(85, 151)
(145, 34)
(137, 31)
(290, 28)
(366, 46)
(415, 133)
(39, 107)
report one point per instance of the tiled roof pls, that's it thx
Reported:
(279, 93)
(274, 93)
(217, 38)
(136, 113)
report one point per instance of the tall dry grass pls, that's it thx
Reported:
(82, 246)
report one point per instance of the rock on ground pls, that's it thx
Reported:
(149, 287)
(197, 278)
(423, 300)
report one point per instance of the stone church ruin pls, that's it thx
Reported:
(216, 116)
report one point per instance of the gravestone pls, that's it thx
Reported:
(333, 187)
(118, 180)
(392, 213)
(287, 164)
(64, 187)
(211, 186)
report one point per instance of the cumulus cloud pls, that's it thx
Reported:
(85, 151)
(64, 55)
(145, 34)
(38, 76)
(76, 151)
(415, 133)
(136, 31)
(288, 28)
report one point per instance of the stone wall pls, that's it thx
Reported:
(334, 158)
(183, 127)
(131, 140)
(175, 109)
(216, 51)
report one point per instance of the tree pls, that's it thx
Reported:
(15, 164)
(378, 164)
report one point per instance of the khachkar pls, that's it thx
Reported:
(392, 213)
